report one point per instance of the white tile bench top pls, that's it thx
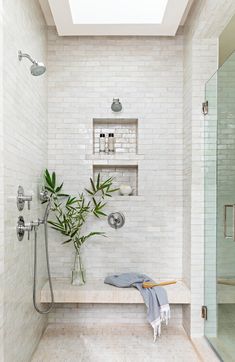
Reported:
(98, 292)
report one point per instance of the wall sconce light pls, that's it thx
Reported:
(116, 105)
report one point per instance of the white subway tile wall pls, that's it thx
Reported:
(115, 315)
(25, 156)
(147, 75)
(84, 75)
(1, 191)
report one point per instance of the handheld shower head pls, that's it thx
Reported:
(37, 68)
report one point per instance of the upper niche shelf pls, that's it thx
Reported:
(125, 132)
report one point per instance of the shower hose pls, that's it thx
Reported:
(46, 311)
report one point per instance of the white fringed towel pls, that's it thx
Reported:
(158, 309)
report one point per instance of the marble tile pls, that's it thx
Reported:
(67, 343)
(97, 292)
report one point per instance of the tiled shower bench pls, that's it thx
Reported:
(98, 292)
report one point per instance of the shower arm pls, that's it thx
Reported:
(24, 55)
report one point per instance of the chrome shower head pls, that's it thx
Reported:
(37, 68)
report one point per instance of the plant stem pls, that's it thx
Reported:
(81, 269)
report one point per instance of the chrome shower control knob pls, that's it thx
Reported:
(22, 227)
(22, 198)
(116, 220)
(19, 228)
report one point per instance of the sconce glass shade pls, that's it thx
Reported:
(116, 105)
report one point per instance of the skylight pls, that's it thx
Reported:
(118, 11)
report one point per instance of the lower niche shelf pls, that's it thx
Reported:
(122, 174)
(97, 292)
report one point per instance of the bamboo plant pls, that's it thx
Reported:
(72, 212)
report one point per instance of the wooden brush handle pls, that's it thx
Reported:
(151, 284)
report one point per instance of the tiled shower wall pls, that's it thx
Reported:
(25, 156)
(1, 190)
(146, 74)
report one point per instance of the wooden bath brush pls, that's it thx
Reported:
(152, 284)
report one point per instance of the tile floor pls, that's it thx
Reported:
(70, 343)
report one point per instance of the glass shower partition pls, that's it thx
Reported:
(220, 211)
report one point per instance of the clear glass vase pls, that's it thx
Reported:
(78, 272)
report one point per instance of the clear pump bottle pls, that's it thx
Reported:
(102, 143)
(111, 143)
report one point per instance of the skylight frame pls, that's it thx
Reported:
(65, 27)
(121, 12)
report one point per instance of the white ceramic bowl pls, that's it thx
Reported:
(125, 190)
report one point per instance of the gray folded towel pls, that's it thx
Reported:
(158, 309)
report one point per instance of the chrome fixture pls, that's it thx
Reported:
(37, 68)
(204, 312)
(116, 220)
(22, 198)
(22, 227)
(205, 108)
(116, 105)
(44, 197)
(226, 236)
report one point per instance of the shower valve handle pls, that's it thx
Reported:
(28, 228)
(22, 198)
(23, 227)
(27, 199)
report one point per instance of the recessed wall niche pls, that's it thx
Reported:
(121, 174)
(125, 132)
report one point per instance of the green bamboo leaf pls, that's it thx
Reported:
(71, 200)
(59, 188)
(98, 182)
(62, 195)
(101, 213)
(114, 190)
(48, 178)
(74, 233)
(92, 185)
(46, 173)
(89, 192)
(108, 181)
(53, 179)
(57, 229)
(93, 234)
(67, 241)
(59, 221)
(102, 205)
